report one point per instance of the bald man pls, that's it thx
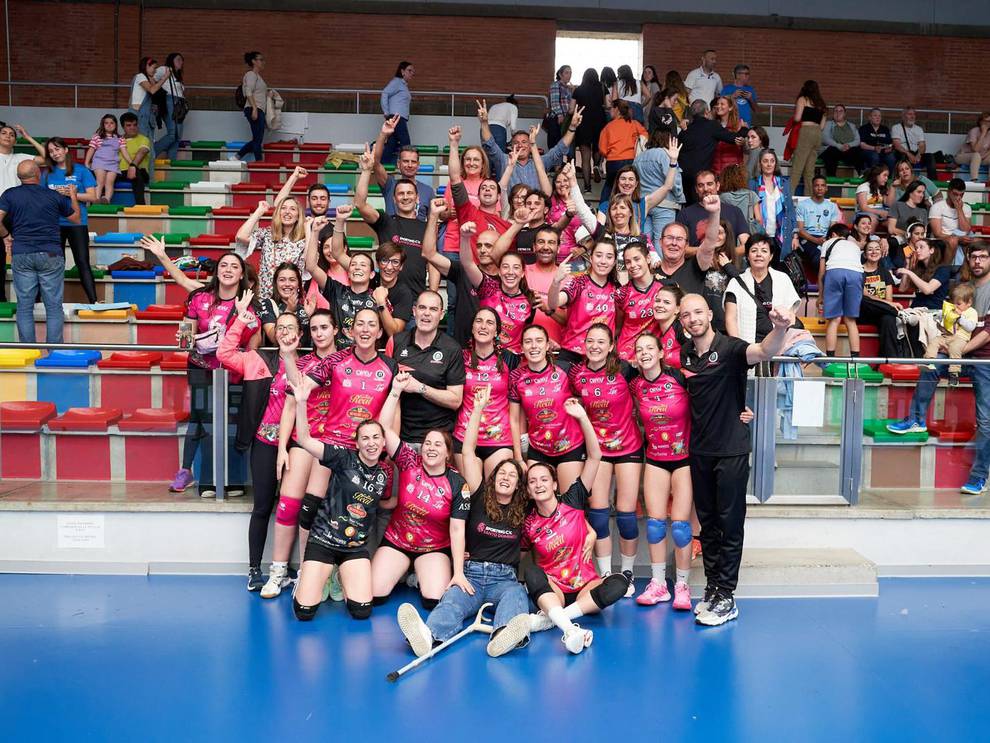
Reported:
(715, 367)
(32, 212)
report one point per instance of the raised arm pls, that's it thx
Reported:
(555, 297)
(454, 156)
(387, 415)
(520, 218)
(494, 152)
(429, 247)
(472, 467)
(588, 218)
(38, 147)
(307, 442)
(673, 150)
(243, 236)
(387, 130)
(541, 170)
(228, 352)
(573, 407)
(773, 344)
(157, 248)
(368, 213)
(312, 254)
(706, 251)
(297, 172)
(468, 264)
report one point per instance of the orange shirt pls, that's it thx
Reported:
(618, 139)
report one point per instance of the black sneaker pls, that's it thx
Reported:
(255, 579)
(706, 601)
(722, 609)
(631, 590)
(953, 379)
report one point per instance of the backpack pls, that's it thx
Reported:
(240, 100)
(794, 268)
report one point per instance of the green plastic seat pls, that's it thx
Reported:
(428, 149)
(8, 309)
(173, 238)
(188, 164)
(360, 243)
(845, 371)
(207, 144)
(374, 190)
(190, 211)
(168, 186)
(96, 210)
(73, 273)
(876, 428)
(346, 165)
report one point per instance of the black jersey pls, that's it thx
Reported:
(347, 514)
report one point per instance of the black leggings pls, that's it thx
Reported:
(77, 236)
(263, 459)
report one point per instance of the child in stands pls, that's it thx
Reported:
(103, 155)
(840, 274)
(959, 320)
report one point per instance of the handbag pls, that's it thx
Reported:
(208, 342)
(180, 106)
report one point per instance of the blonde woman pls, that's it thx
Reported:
(283, 242)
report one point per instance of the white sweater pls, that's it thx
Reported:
(784, 296)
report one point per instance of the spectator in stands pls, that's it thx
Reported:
(396, 99)
(950, 220)
(876, 143)
(878, 306)
(775, 212)
(502, 121)
(283, 242)
(481, 191)
(909, 141)
(728, 153)
(841, 141)
(874, 195)
(526, 222)
(905, 176)
(976, 149)
(60, 171)
(407, 167)
(525, 169)
(861, 231)
(143, 86)
(286, 297)
(134, 156)
(402, 228)
(911, 208)
(255, 91)
(654, 167)
(673, 81)
(698, 142)
(175, 92)
(733, 189)
(626, 88)
(38, 260)
(317, 197)
(703, 82)
(743, 94)
(589, 98)
(661, 116)
(608, 78)
(840, 275)
(690, 273)
(617, 143)
(757, 140)
(809, 115)
(815, 216)
(103, 155)
(560, 105)
(693, 214)
(749, 295)
(926, 277)
(649, 86)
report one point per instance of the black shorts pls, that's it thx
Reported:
(569, 598)
(483, 452)
(574, 455)
(386, 542)
(635, 457)
(320, 553)
(671, 466)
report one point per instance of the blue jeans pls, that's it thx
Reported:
(146, 125)
(500, 136)
(874, 158)
(658, 218)
(257, 135)
(31, 272)
(493, 582)
(169, 144)
(390, 153)
(925, 391)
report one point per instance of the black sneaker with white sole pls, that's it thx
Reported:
(722, 609)
(706, 600)
(255, 579)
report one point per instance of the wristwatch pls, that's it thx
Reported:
(422, 388)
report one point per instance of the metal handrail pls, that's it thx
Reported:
(865, 109)
(91, 346)
(878, 360)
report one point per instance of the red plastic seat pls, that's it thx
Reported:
(142, 360)
(25, 415)
(153, 419)
(161, 312)
(178, 361)
(901, 372)
(958, 431)
(212, 240)
(85, 419)
(235, 211)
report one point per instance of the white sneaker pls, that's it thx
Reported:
(414, 629)
(277, 580)
(539, 622)
(577, 639)
(511, 636)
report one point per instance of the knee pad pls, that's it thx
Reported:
(656, 530)
(287, 513)
(358, 609)
(428, 604)
(598, 518)
(536, 580)
(303, 613)
(379, 600)
(609, 590)
(626, 522)
(681, 532)
(307, 511)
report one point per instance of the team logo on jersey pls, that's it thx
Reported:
(348, 371)
(667, 387)
(357, 511)
(713, 357)
(554, 377)
(350, 531)
(379, 374)
(437, 356)
(404, 352)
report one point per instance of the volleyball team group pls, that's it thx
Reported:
(393, 452)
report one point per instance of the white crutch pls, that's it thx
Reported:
(478, 625)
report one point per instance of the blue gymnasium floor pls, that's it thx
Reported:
(198, 658)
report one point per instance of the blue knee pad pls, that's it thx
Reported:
(681, 532)
(626, 521)
(598, 518)
(656, 530)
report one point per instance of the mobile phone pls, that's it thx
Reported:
(187, 329)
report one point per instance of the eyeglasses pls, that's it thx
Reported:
(391, 262)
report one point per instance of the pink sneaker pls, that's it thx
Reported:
(682, 597)
(656, 592)
(183, 479)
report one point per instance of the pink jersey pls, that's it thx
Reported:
(220, 315)
(587, 303)
(541, 394)
(665, 412)
(610, 407)
(357, 393)
(268, 428)
(318, 403)
(670, 344)
(635, 306)
(494, 430)
(421, 520)
(539, 283)
(557, 541)
(515, 310)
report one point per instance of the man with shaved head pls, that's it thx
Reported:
(715, 367)
(32, 213)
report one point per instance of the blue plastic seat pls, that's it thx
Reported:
(117, 238)
(69, 359)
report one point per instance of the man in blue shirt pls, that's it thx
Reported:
(814, 217)
(743, 92)
(38, 259)
(406, 167)
(525, 169)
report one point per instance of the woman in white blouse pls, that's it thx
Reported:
(255, 91)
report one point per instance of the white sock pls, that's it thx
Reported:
(682, 576)
(604, 564)
(659, 571)
(573, 611)
(627, 562)
(283, 565)
(559, 617)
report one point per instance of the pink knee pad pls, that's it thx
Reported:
(287, 513)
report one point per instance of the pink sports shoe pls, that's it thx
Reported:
(183, 479)
(682, 597)
(656, 592)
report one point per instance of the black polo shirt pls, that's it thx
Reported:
(439, 365)
(716, 382)
(692, 279)
(407, 234)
